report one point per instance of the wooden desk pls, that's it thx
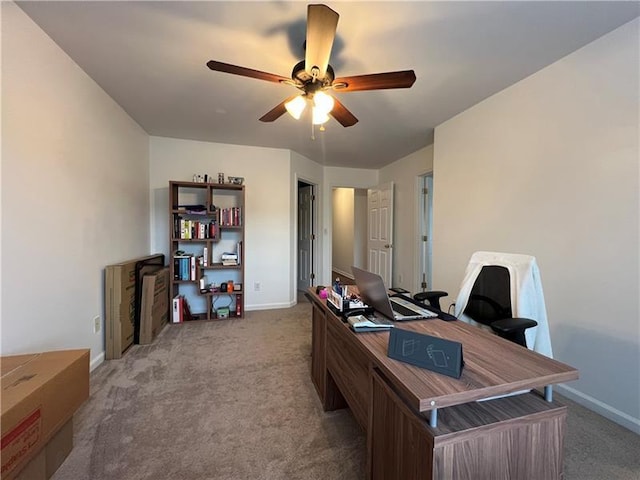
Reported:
(517, 437)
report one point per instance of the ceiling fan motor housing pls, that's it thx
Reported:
(306, 81)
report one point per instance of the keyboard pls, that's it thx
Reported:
(405, 307)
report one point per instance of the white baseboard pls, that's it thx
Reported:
(96, 362)
(601, 408)
(269, 306)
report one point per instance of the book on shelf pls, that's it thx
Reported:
(186, 311)
(229, 217)
(180, 311)
(187, 229)
(184, 267)
(360, 323)
(176, 312)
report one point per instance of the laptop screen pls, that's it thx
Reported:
(373, 291)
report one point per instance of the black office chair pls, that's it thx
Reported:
(432, 298)
(489, 304)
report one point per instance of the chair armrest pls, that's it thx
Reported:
(432, 297)
(508, 326)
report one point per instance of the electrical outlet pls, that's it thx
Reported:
(256, 286)
(96, 324)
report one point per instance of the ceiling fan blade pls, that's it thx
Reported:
(321, 31)
(342, 115)
(375, 81)
(245, 72)
(277, 111)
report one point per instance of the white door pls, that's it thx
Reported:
(305, 237)
(380, 237)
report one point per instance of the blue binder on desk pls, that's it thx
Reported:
(433, 353)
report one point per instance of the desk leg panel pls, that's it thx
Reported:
(349, 368)
(505, 439)
(399, 446)
(318, 351)
(524, 452)
(512, 438)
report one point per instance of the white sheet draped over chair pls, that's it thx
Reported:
(527, 299)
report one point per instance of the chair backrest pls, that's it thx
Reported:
(522, 298)
(490, 297)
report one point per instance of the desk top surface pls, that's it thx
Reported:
(493, 365)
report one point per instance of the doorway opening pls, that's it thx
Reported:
(349, 232)
(306, 241)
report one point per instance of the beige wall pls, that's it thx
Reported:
(75, 193)
(549, 167)
(268, 201)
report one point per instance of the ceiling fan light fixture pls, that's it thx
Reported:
(319, 117)
(323, 102)
(296, 106)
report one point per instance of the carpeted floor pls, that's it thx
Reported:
(233, 399)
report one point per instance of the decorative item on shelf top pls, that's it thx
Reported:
(236, 180)
(206, 178)
(200, 178)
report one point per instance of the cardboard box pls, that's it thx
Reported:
(40, 393)
(155, 305)
(121, 305)
(51, 457)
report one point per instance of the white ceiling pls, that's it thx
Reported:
(150, 58)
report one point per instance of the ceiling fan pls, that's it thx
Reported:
(313, 76)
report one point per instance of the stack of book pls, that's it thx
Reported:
(229, 259)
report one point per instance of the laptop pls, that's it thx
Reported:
(374, 294)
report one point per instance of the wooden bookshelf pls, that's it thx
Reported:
(206, 217)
